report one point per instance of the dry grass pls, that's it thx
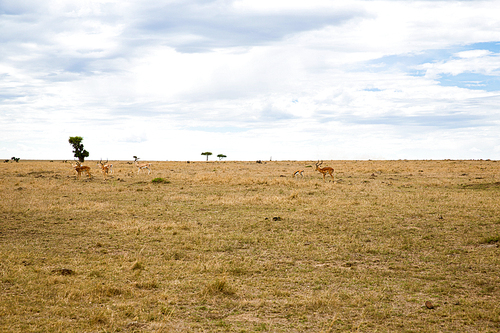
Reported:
(243, 247)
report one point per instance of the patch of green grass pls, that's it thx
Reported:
(490, 240)
(159, 180)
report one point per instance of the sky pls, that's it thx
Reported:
(250, 79)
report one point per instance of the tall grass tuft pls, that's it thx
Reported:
(219, 286)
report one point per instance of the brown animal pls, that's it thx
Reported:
(79, 168)
(105, 168)
(325, 170)
(298, 172)
(143, 166)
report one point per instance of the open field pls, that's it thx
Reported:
(244, 247)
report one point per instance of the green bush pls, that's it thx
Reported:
(159, 180)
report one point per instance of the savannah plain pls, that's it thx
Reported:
(244, 247)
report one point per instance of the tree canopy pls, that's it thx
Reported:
(78, 150)
(207, 153)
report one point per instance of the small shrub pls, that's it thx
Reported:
(159, 180)
(491, 240)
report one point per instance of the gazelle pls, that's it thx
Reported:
(106, 168)
(79, 168)
(142, 165)
(324, 170)
(298, 172)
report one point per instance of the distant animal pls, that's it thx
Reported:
(79, 168)
(141, 166)
(106, 168)
(325, 170)
(298, 172)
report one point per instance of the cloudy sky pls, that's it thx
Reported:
(251, 79)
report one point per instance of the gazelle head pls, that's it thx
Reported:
(318, 164)
(102, 164)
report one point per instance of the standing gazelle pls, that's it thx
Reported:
(106, 168)
(79, 168)
(325, 170)
(141, 166)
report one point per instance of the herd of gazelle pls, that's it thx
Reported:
(323, 171)
(108, 168)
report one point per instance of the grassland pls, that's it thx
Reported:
(244, 247)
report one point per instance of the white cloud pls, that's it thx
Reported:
(474, 61)
(473, 54)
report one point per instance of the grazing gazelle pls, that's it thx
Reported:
(298, 172)
(325, 170)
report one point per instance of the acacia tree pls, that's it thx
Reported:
(221, 156)
(78, 150)
(207, 153)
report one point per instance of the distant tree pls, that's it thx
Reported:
(78, 150)
(207, 154)
(221, 156)
(15, 159)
